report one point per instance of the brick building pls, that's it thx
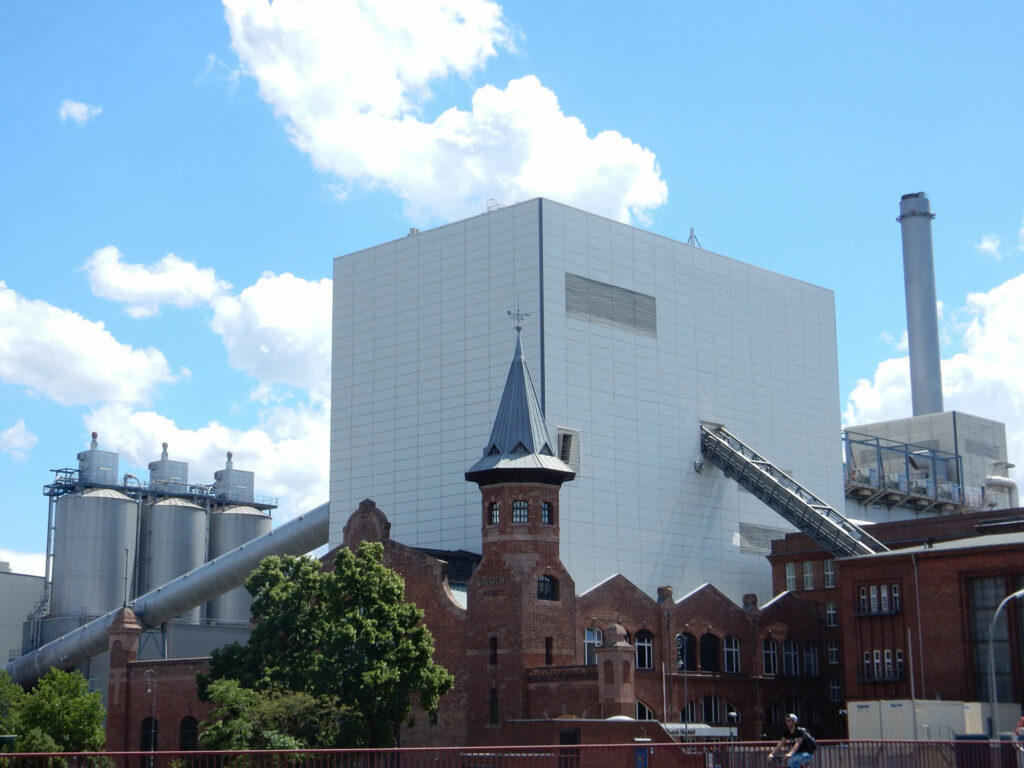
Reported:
(525, 649)
(913, 622)
(533, 661)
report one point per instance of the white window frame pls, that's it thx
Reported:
(831, 614)
(731, 654)
(644, 642)
(808, 575)
(883, 598)
(834, 690)
(520, 511)
(790, 658)
(770, 656)
(830, 574)
(833, 651)
(791, 577)
(873, 598)
(592, 639)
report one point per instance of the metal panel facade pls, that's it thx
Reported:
(422, 344)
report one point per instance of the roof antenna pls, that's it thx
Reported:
(693, 241)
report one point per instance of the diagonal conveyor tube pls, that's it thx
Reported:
(230, 570)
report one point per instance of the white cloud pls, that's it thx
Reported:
(989, 246)
(67, 358)
(17, 440)
(985, 379)
(78, 111)
(288, 450)
(901, 344)
(171, 280)
(350, 80)
(279, 332)
(31, 563)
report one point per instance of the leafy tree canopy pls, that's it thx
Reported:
(10, 698)
(346, 637)
(60, 714)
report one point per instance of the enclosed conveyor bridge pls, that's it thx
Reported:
(829, 529)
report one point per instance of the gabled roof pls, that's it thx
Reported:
(519, 442)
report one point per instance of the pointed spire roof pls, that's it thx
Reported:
(519, 448)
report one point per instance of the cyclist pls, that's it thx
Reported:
(796, 746)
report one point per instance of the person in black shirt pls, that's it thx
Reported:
(794, 748)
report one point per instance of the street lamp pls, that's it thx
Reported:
(151, 689)
(993, 696)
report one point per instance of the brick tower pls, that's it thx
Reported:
(521, 599)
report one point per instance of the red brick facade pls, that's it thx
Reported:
(905, 621)
(140, 691)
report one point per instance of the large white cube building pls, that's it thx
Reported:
(633, 340)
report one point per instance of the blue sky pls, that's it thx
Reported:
(175, 180)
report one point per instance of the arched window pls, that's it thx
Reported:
(150, 734)
(709, 653)
(789, 658)
(731, 652)
(547, 588)
(770, 656)
(811, 659)
(188, 733)
(643, 712)
(644, 650)
(520, 511)
(547, 513)
(591, 641)
(710, 712)
(686, 651)
(494, 513)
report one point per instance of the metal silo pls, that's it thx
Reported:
(93, 538)
(173, 542)
(230, 527)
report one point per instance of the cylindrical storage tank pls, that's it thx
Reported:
(173, 543)
(231, 527)
(92, 529)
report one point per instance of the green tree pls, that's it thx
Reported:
(60, 710)
(346, 637)
(10, 699)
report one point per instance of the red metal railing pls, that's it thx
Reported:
(830, 754)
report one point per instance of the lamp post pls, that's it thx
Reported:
(993, 696)
(151, 689)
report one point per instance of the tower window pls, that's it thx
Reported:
(493, 659)
(494, 513)
(547, 588)
(547, 513)
(520, 511)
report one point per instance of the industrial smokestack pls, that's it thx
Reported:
(922, 315)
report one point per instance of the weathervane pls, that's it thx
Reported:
(518, 316)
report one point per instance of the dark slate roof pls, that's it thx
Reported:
(519, 442)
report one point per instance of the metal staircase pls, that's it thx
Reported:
(829, 529)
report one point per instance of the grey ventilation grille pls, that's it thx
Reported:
(757, 539)
(610, 305)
